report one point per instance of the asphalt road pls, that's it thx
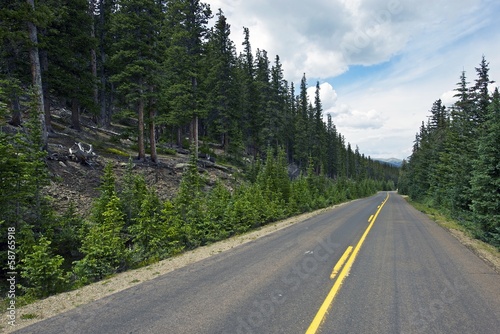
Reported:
(404, 274)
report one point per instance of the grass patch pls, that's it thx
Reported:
(28, 316)
(116, 151)
(166, 151)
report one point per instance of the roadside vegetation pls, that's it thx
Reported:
(455, 164)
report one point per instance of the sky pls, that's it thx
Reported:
(381, 64)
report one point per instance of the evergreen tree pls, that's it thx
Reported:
(331, 148)
(486, 175)
(222, 94)
(133, 192)
(480, 93)
(278, 113)
(319, 133)
(36, 72)
(261, 121)
(103, 246)
(248, 103)
(150, 232)
(186, 30)
(135, 60)
(189, 203)
(13, 56)
(67, 70)
(454, 164)
(42, 270)
(302, 135)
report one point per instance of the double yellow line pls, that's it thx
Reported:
(323, 310)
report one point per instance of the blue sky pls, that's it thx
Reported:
(381, 63)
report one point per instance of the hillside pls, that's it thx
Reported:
(73, 181)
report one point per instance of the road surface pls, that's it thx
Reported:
(395, 272)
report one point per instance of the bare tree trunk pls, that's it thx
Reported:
(37, 76)
(179, 136)
(44, 59)
(75, 115)
(105, 117)
(194, 122)
(16, 118)
(152, 135)
(140, 139)
(195, 130)
(93, 56)
(226, 141)
(16, 113)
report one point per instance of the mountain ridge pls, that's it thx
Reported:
(392, 161)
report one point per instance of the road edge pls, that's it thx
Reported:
(486, 252)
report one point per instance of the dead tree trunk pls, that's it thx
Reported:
(75, 115)
(140, 139)
(152, 135)
(37, 76)
(93, 58)
(105, 117)
(44, 59)
(16, 110)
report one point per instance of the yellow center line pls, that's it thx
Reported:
(323, 310)
(341, 262)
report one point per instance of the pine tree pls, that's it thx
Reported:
(36, 74)
(485, 180)
(189, 202)
(107, 191)
(480, 93)
(220, 85)
(331, 148)
(42, 271)
(262, 118)
(149, 233)
(302, 135)
(103, 246)
(459, 151)
(186, 30)
(13, 55)
(249, 99)
(135, 60)
(319, 134)
(68, 69)
(278, 118)
(132, 194)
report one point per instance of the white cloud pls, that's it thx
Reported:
(346, 117)
(426, 45)
(327, 94)
(448, 98)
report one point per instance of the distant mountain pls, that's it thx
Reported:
(391, 161)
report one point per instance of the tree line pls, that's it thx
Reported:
(159, 63)
(455, 164)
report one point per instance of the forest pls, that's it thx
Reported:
(158, 65)
(455, 164)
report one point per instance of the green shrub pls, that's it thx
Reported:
(42, 270)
